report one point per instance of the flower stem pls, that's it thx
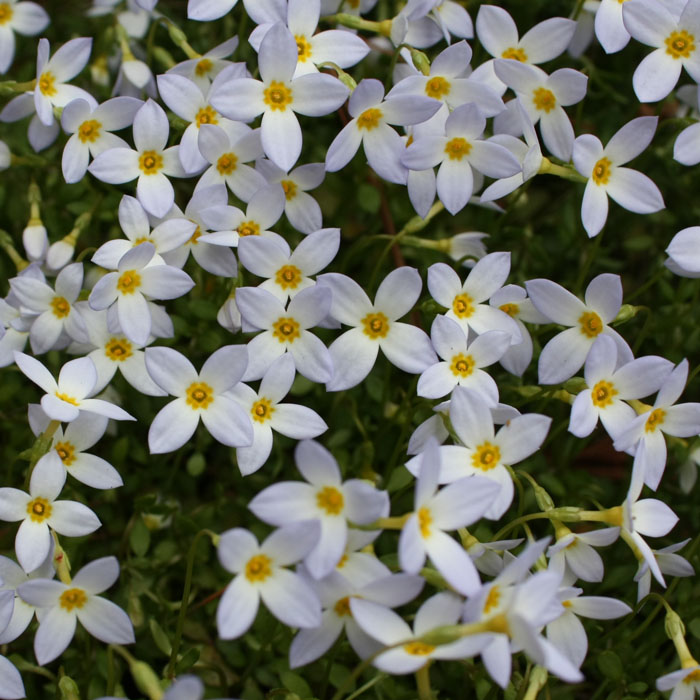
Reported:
(423, 682)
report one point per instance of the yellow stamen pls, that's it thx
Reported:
(369, 119)
(199, 395)
(89, 131)
(258, 568)
(277, 96)
(375, 325)
(286, 330)
(330, 500)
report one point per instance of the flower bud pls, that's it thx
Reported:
(35, 240)
(5, 156)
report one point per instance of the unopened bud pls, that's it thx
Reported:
(5, 156)
(69, 689)
(35, 240)
(575, 385)
(543, 499)
(420, 61)
(626, 312)
(146, 679)
(442, 635)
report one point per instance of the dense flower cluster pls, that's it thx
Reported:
(235, 136)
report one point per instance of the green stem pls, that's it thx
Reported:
(366, 686)
(589, 261)
(423, 683)
(170, 671)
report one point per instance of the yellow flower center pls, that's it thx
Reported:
(303, 48)
(89, 131)
(262, 410)
(656, 418)
(590, 324)
(288, 277)
(277, 96)
(463, 306)
(199, 395)
(67, 399)
(693, 677)
(47, 85)
(206, 115)
(330, 500)
(369, 119)
(486, 457)
(544, 99)
(150, 162)
(437, 87)
(227, 163)
(418, 648)
(601, 171)
(72, 598)
(66, 452)
(342, 607)
(375, 325)
(258, 568)
(129, 282)
(457, 148)
(425, 520)
(5, 12)
(286, 330)
(118, 349)
(462, 365)
(249, 228)
(602, 393)
(680, 44)
(60, 307)
(290, 189)
(204, 65)
(492, 599)
(515, 53)
(195, 236)
(39, 510)
(510, 309)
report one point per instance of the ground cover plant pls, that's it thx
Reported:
(349, 349)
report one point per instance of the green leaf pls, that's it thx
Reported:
(610, 665)
(187, 660)
(160, 637)
(139, 538)
(294, 682)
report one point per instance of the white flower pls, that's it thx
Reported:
(11, 686)
(64, 604)
(573, 554)
(375, 326)
(150, 162)
(286, 330)
(302, 210)
(462, 361)
(609, 26)
(544, 97)
(124, 292)
(326, 499)
(288, 273)
(260, 573)
(676, 41)
(345, 49)
(458, 152)
(204, 69)
(685, 682)
(410, 652)
(39, 510)
(516, 610)
(227, 147)
(369, 126)
(611, 382)
(267, 413)
(335, 592)
(278, 96)
(90, 130)
(53, 74)
(447, 81)
(513, 300)
(207, 210)
(67, 453)
(485, 452)
(645, 433)
(629, 188)
(55, 310)
(65, 399)
(498, 34)
(684, 252)
(668, 562)
(457, 505)
(200, 395)
(13, 576)
(465, 301)
(25, 18)
(567, 633)
(564, 354)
